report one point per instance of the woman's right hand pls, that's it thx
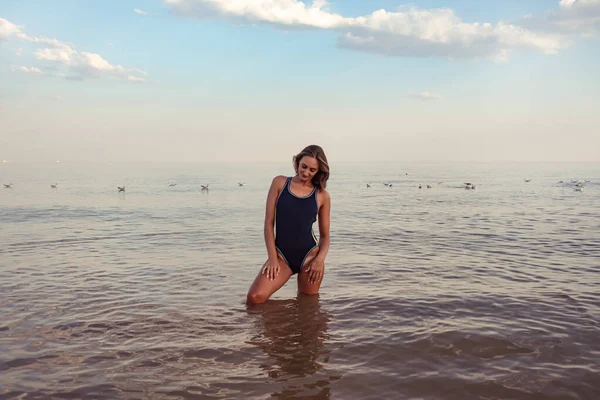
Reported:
(271, 269)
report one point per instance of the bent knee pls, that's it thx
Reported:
(256, 298)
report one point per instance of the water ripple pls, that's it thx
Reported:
(431, 294)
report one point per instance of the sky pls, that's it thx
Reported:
(257, 80)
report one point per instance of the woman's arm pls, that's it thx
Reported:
(269, 228)
(316, 267)
(324, 219)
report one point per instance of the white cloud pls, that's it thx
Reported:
(84, 63)
(426, 96)
(280, 12)
(7, 29)
(571, 19)
(19, 52)
(77, 64)
(578, 3)
(566, 3)
(62, 54)
(42, 40)
(139, 12)
(583, 15)
(109, 43)
(135, 79)
(139, 71)
(28, 70)
(410, 32)
(97, 63)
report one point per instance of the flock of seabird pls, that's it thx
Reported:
(121, 188)
(577, 185)
(467, 185)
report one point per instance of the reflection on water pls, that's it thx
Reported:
(293, 333)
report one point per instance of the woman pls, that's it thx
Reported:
(293, 204)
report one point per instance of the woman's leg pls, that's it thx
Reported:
(304, 286)
(263, 287)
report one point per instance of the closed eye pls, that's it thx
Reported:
(304, 166)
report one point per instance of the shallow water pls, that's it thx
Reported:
(440, 293)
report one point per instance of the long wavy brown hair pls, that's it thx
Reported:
(321, 177)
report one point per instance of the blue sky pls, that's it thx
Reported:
(210, 80)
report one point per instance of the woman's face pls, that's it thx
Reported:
(307, 168)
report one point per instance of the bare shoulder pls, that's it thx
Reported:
(278, 181)
(324, 196)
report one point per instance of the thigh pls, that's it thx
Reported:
(262, 288)
(304, 286)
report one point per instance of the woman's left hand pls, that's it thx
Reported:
(315, 270)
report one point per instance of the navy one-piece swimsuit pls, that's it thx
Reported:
(294, 218)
